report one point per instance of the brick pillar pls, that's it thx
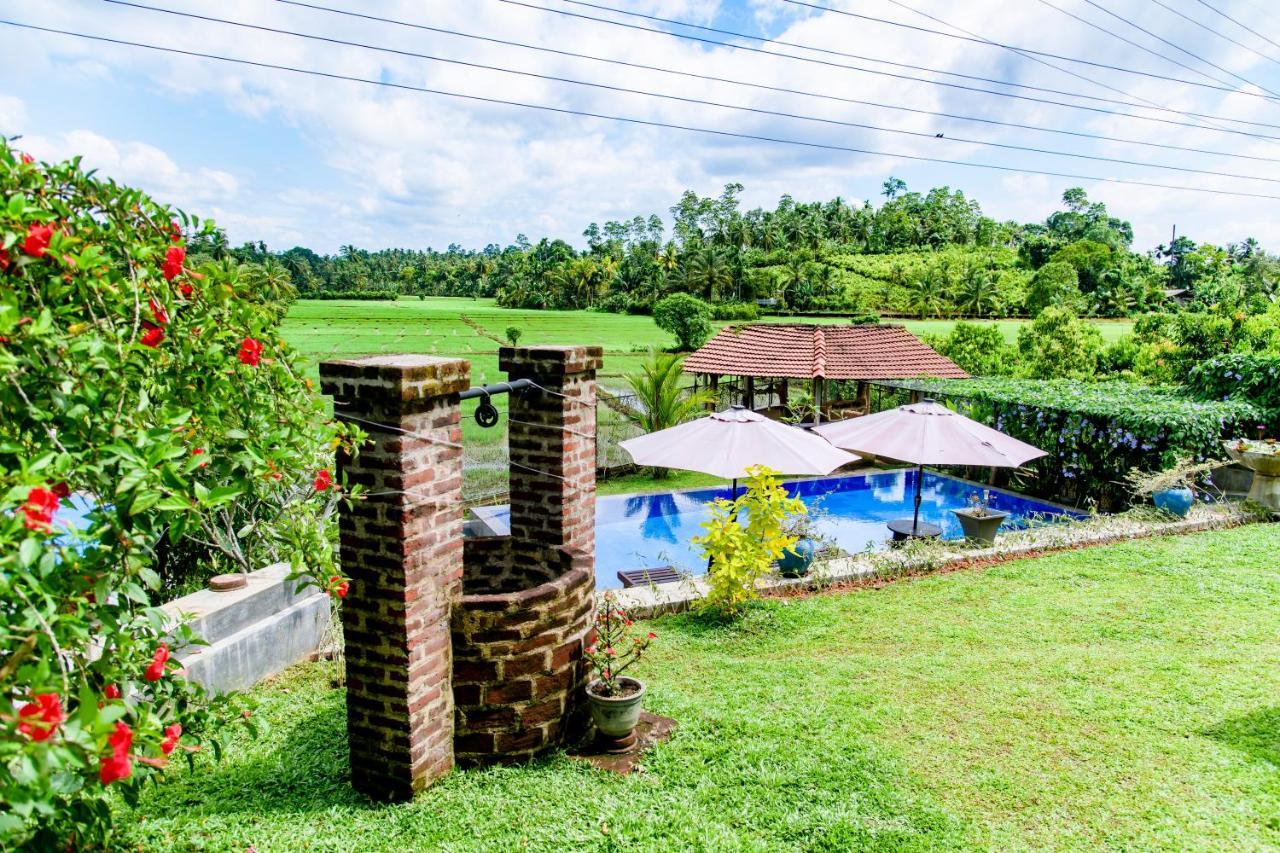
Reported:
(553, 453)
(403, 553)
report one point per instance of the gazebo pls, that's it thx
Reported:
(781, 352)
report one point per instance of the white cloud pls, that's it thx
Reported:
(392, 167)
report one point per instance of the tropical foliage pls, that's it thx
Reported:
(151, 394)
(740, 555)
(1095, 432)
(916, 254)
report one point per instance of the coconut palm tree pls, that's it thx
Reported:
(660, 401)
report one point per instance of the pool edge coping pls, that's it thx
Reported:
(650, 601)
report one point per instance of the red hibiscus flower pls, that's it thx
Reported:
(339, 586)
(171, 735)
(62, 490)
(152, 335)
(111, 691)
(173, 259)
(27, 159)
(40, 718)
(652, 636)
(157, 311)
(185, 290)
(4, 260)
(175, 231)
(39, 509)
(38, 237)
(323, 480)
(118, 765)
(155, 670)
(250, 352)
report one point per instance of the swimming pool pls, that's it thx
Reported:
(646, 531)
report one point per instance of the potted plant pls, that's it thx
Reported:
(1174, 489)
(615, 699)
(979, 521)
(798, 558)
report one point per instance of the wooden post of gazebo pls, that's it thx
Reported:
(749, 393)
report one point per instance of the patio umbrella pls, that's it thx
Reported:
(927, 433)
(727, 443)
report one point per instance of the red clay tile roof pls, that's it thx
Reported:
(801, 351)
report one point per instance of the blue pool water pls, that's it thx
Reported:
(643, 531)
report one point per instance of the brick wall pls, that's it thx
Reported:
(403, 553)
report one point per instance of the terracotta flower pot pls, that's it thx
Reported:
(616, 716)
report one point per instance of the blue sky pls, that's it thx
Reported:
(293, 159)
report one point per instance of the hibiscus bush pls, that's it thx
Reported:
(159, 402)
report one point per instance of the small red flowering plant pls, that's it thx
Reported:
(618, 645)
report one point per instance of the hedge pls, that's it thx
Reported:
(1251, 378)
(1095, 432)
(368, 295)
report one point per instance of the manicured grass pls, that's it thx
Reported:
(642, 482)
(1121, 697)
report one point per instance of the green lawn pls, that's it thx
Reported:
(1121, 697)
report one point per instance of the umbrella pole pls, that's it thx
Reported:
(915, 520)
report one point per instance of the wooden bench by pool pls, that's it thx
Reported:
(647, 577)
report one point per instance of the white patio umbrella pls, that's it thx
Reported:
(927, 433)
(727, 443)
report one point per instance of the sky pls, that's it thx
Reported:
(299, 159)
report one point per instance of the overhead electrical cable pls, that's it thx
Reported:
(1239, 24)
(1184, 16)
(779, 89)
(1176, 47)
(1023, 54)
(687, 37)
(822, 146)
(1142, 47)
(1223, 85)
(687, 100)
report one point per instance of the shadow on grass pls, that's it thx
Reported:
(1256, 734)
(299, 765)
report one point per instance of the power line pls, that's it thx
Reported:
(687, 100)
(1024, 54)
(785, 90)
(1210, 29)
(1142, 47)
(1237, 23)
(636, 121)
(1227, 87)
(684, 36)
(1141, 29)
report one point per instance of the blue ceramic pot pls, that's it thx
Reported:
(795, 562)
(1175, 501)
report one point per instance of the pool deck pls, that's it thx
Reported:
(648, 601)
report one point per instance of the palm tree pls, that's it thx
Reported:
(708, 272)
(660, 402)
(927, 296)
(977, 296)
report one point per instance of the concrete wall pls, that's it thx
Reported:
(254, 632)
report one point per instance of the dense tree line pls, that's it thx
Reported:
(928, 255)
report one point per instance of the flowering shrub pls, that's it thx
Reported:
(1251, 378)
(158, 400)
(740, 555)
(1095, 432)
(617, 646)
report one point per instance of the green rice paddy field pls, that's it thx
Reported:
(438, 326)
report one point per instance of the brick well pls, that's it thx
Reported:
(528, 598)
